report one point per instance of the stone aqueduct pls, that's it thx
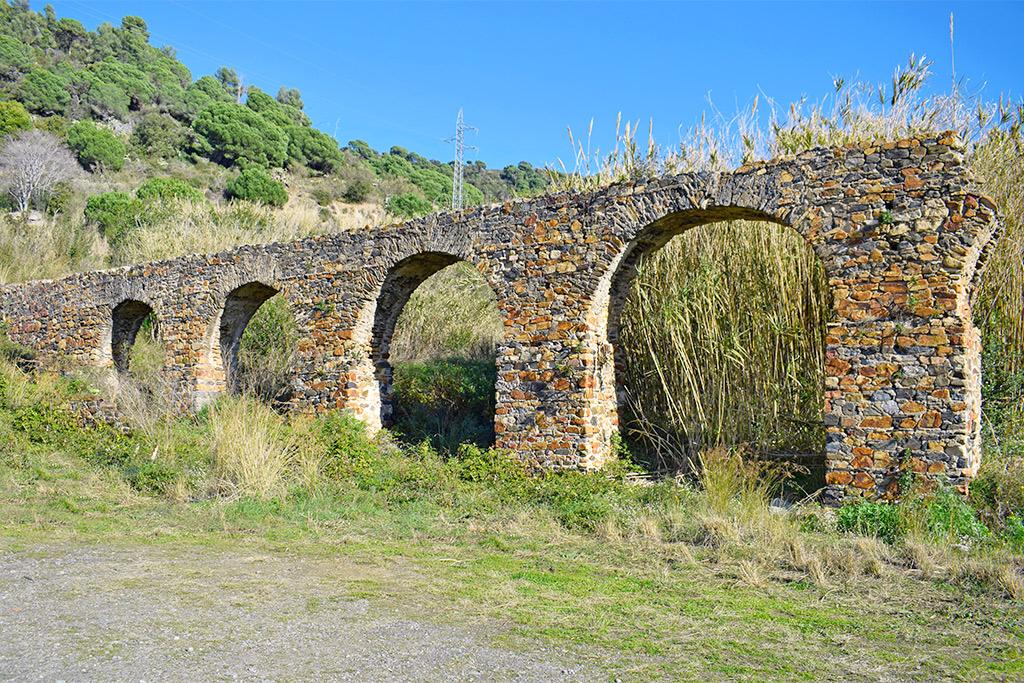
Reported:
(900, 234)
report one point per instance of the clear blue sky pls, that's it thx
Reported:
(396, 73)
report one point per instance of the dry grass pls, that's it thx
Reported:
(250, 451)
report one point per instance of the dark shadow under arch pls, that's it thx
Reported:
(126, 321)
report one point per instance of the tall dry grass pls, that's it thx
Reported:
(723, 337)
(453, 313)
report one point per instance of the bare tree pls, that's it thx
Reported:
(32, 163)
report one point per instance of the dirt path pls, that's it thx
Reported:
(156, 614)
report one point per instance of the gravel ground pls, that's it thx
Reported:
(160, 614)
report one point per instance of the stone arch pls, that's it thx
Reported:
(642, 240)
(126, 320)
(240, 305)
(380, 318)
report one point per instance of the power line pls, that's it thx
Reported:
(460, 146)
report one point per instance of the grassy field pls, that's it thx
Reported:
(673, 580)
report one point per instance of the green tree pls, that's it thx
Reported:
(43, 92)
(69, 33)
(203, 93)
(13, 117)
(233, 134)
(159, 135)
(129, 79)
(280, 114)
(15, 58)
(168, 188)
(230, 82)
(256, 185)
(313, 148)
(97, 148)
(116, 214)
(105, 100)
(290, 96)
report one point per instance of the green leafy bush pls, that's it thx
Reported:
(232, 134)
(116, 214)
(256, 185)
(448, 402)
(408, 205)
(350, 452)
(13, 118)
(358, 191)
(97, 148)
(43, 92)
(168, 188)
(942, 515)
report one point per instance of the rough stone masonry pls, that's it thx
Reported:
(901, 237)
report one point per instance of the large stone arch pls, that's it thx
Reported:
(616, 278)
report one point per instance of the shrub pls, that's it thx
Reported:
(279, 114)
(232, 134)
(408, 205)
(13, 118)
(43, 92)
(871, 519)
(941, 515)
(97, 148)
(448, 402)
(256, 185)
(349, 450)
(116, 214)
(358, 191)
(168, 188)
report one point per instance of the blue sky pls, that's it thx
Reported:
(396, 73)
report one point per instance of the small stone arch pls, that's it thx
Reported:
(126, 320)
(240, 305)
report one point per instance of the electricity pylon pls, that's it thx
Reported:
(460, 146)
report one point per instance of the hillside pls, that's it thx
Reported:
(131, 111)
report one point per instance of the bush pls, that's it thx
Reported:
(13, 118)
(43, 92)
(159, 135)
(256, 185)
(941, 515)
(409, 205)
(448, 402)
(358, 191)
(116, 214)
(230, 134)
(168, 188)
(97, 148)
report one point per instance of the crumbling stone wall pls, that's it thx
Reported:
(900, 235)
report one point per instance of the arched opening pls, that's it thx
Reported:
(433, 341)
(240, 306)
(128, 319)
(716, 322)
